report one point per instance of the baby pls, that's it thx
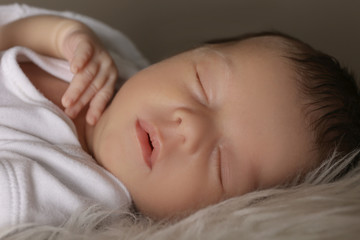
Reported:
(203, 126)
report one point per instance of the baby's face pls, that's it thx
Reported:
(203, 126)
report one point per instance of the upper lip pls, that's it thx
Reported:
(149, 141)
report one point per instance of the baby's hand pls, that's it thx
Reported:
(94, 71)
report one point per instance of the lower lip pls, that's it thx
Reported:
(144, 143)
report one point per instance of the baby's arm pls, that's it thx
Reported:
(94, 70)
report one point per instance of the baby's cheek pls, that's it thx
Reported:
(175, 196)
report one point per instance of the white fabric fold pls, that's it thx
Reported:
(44, 173)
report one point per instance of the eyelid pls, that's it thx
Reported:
(202, 87)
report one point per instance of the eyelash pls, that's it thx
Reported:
(202, 87)
(218, 155)
(218, 165)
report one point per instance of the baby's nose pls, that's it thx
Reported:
(191, 129)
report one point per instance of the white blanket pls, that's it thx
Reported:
(127, 57)
(44, 174)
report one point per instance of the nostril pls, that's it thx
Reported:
(178, 121)
(182, 139)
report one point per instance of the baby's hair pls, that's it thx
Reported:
(332, 95)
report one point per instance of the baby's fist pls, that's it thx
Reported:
(95, 75)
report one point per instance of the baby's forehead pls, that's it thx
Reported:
(262, 44)
(264, 48)
(270, 40)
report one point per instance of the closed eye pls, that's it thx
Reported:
(218, 165)
(202, 87)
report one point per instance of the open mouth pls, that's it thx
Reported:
(150, 142)
(145, 141)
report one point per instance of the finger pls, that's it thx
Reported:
(82, 55)
(100, 101)
(86, 96)
(78, 85)
(74, 109)
(82, 83)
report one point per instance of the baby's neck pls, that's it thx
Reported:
(53, 89)
(81, 129)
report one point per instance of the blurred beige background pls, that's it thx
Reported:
(163, 27)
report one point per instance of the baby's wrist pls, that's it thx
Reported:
(65, 42)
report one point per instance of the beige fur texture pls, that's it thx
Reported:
(318, 208)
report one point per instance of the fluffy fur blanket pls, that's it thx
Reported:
(319, 208)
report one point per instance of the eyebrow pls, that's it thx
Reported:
(210, 48)
(225, 67)
(225, 59)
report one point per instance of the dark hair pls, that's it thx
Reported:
(333, 106)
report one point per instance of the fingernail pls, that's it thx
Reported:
(74, 69)
(91, 120)
(66, 102)
(70, 113)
